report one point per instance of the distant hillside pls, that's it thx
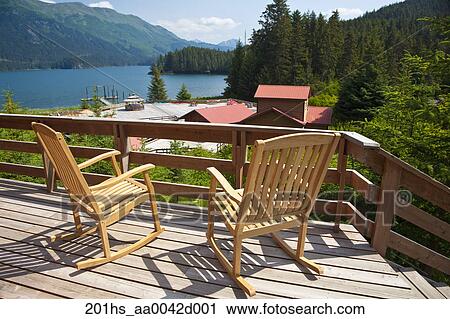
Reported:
(230, 44)
(196, 60)
(34, 34)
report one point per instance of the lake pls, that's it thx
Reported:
(55, 88)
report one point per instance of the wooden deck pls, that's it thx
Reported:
(180, 264)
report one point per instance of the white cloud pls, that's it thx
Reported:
(348, 13)
(102, 4)
(204, 28)
(48, 1)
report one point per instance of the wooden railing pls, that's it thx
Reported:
(395, 174)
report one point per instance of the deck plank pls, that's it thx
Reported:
(60, 200)
(207, 268)
(175, 238)
(421, 284)
(9, 290)
(179, 264)
(164, 247)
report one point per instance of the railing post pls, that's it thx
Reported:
(123, 145)
(239, 156)
(386, 206)
(342, 173)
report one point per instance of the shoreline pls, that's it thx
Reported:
(110, 66)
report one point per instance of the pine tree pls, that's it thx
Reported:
(273, 43)
(183, 94)
(320, 49)
(299, 51)
(247, 81)
(334, 42)
(232, 89)
(10, 106)
(361, 95)
(348, 61)
(157, 88)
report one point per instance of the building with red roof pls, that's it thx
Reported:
(227, 114)
(287, 105)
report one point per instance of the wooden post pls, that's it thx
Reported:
(342, 172)
(386, 206)
(239, 157)
(123, 145)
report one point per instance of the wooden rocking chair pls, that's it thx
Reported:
(282, 185)
(106, 203)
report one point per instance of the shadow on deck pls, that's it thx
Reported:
(180, 264)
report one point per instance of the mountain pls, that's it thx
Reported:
(35, 34)
(222, 46)
(230, 44)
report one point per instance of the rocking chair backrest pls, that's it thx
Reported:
(285, 176)
(56, 149)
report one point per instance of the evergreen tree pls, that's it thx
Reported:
(334, 42)
(320, 48)
(247, 82)
(10, 106)
(232, 89)
(348, 61)
(157, 88)
(273, 44)
(299, 51)
(183, 94)
(361, 94)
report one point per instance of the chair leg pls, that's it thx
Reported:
(102, 226)
(237, 252)
(78, 228)
(298, 255)
(234, 270)
(152, 197)
(105, 240)
(155, 212)
(77, 220)
(118, 254)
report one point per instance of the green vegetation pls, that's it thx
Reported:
(309, 49)
(413, 123)
(328, 94)
(10, 105)
(157, 88)
(196, 60)
(183, 94)
(361, 94)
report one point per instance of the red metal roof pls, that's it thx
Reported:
(319, 115)
(291, 92)
(225, 114)
(314, 115)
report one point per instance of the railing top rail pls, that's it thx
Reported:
(104, 126)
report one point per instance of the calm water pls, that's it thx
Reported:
(53, 88)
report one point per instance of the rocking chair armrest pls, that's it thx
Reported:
(98, 158)
(114, 180)
(228, 189)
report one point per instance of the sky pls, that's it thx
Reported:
(219, 20)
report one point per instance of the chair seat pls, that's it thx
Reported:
(121, 194)
(229, 210)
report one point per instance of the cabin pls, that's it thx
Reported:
(227, 114)
(288, 106)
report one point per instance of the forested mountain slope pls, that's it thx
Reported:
(34, 34)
